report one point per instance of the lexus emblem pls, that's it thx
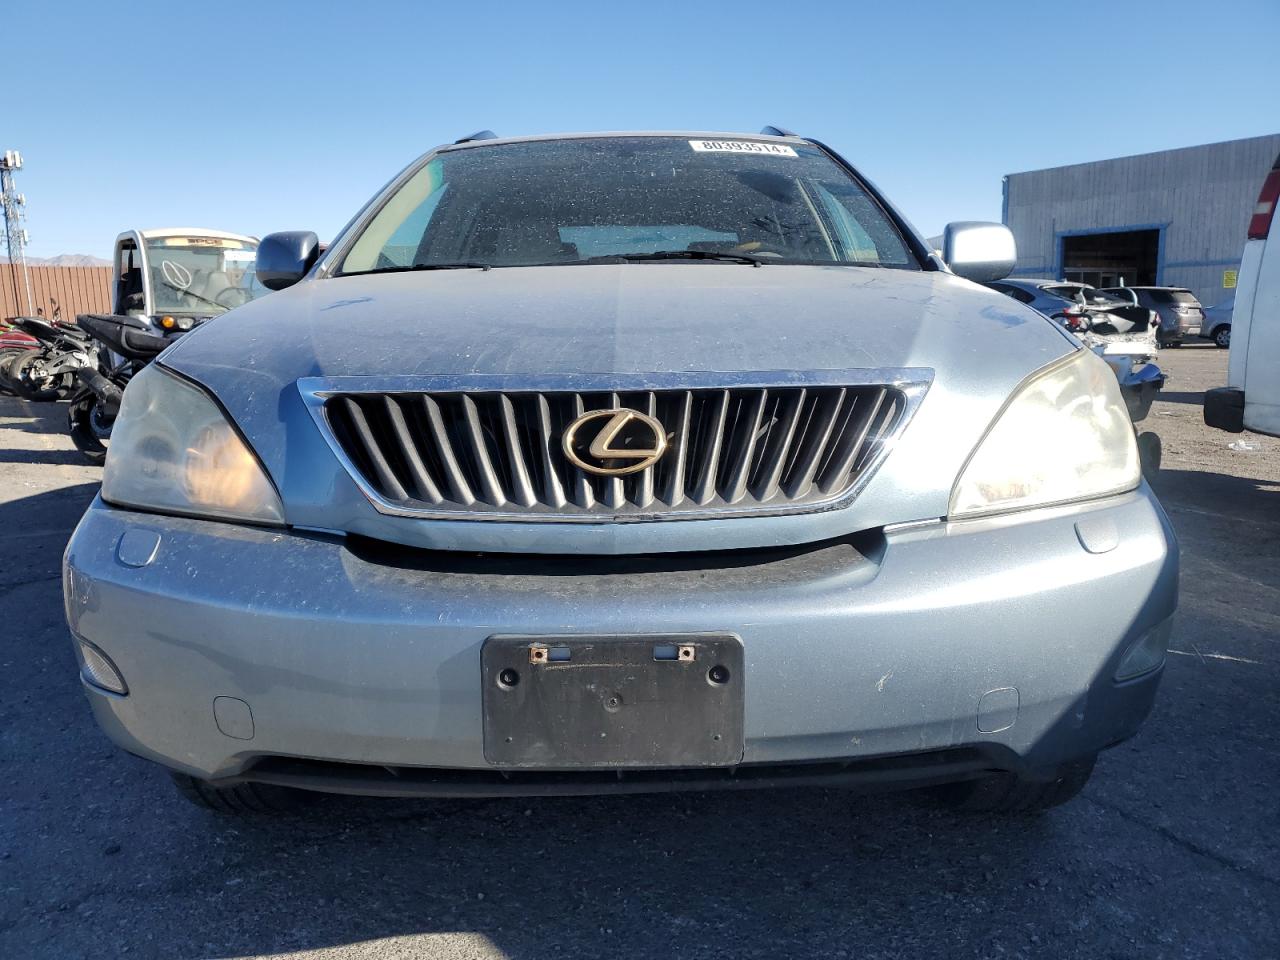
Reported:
(613, 443)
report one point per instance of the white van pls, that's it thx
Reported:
(1251, 401)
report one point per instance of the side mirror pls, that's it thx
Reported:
(981, 252)
(285, 258)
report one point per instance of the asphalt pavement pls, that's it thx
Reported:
(1173, 850)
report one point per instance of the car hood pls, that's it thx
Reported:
(624, 319)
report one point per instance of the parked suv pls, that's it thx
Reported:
(622, 462)
(1181, 315)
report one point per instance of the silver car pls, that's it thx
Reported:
(1181, 315)
(1062, 300)
(1057, 299)
(624, 462)
(1217, 322)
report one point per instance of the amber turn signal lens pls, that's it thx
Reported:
(168, 323)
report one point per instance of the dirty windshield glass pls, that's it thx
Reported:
(610, 198)
(201, 276)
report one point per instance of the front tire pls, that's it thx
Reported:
(1011, 793)
(1222, 337)
(241, 799)
(89, 428)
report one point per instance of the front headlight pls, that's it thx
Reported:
(1065, 435)
(172, 450)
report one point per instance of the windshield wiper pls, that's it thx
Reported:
(191, 293)
(678, 255)
(410, 268)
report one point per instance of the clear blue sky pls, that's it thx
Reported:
(265, 116)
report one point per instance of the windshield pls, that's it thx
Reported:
(201, 276)
(574, 201)
(1103, 298)
(1180, 297)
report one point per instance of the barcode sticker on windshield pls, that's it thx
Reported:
(741, 146)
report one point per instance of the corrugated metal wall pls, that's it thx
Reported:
(75, 290)
(1200, 197)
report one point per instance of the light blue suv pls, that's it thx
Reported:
(624, 462)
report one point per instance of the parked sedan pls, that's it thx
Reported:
(1181, 315)
(1056, 299)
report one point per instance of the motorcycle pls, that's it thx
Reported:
(48, 372)
(13, 345)
(127, 345)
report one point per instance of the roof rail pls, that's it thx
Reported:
(479, 135)
(772, 131)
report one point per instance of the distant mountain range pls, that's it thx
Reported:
(65, 260)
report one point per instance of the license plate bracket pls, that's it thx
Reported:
(572, 702)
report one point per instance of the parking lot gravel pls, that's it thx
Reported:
(1173, 850)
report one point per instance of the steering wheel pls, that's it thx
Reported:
(240, 295)
(759, 248)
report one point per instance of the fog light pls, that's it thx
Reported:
(1147, 652)
(99, 671)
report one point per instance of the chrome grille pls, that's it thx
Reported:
(498, 454)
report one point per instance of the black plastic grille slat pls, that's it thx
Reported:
(772, 459)
(730, 450)
(514, 446)
(584, 494)
(740, 452)
(708, 441)
(421, 481)
(455, 478)
(644, 482)
(548, 453)
(679, 428)
(373, 452)
(812, 443)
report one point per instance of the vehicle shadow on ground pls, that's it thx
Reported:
(31, 416)
(775, 874)
(1172, 396)
(72, 457)
(1221, 495)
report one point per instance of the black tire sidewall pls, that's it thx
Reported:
(81, 430)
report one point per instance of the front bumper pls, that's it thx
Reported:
(995, 638)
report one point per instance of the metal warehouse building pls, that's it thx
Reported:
(1175, 218)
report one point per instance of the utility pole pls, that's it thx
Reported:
(15, 237)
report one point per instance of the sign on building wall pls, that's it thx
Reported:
(1229, 279)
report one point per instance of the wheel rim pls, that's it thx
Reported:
(36, 384)
(1223, 337)
(100, 424)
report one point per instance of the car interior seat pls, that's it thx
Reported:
(215, 284)
(528, 243)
